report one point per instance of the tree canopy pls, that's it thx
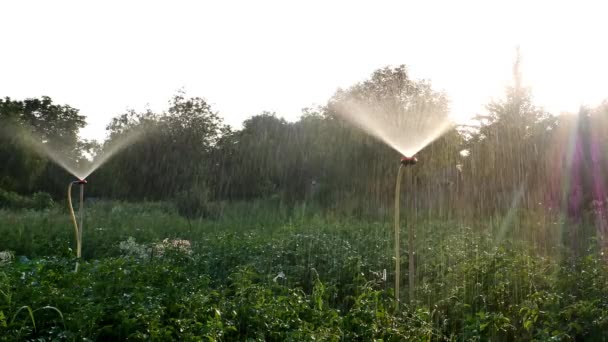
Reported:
(519, 157)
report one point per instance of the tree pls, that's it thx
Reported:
(172, 152)
(53, 126)
(370, 166)
(252, 159)
(505, 162)
(322, 156)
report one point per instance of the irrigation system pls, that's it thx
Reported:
(77, 226)
(405, 162)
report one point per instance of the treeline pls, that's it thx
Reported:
(518, 156)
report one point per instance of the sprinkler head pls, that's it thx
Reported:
(80, 181)
(406, 161)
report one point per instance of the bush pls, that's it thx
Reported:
(42, 200)
(12, 200)
(194, 203)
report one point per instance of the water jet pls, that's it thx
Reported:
(81, 169)
(407, 122)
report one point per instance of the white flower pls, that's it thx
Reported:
(281, 275)
(6, 257)
(179, 245)
(130, 247)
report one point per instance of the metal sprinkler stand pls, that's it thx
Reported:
(405, 161)
(77, 227)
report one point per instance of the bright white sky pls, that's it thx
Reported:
(248, 56)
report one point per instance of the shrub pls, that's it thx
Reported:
(42, 200)
(12, 200)
(6, 257)
(194, 203)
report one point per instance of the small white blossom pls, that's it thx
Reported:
(130, 247)
(281, 275)
(179, 245)
(6, 257)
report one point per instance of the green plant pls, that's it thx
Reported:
(42, 200)
(194, 203)
(267, 272)
(12, 200)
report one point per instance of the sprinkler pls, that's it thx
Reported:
(405, 162)
(77, 227)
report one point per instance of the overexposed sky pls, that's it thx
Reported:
(248, 56)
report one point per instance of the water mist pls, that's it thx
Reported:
(79, 169)
(407, 127)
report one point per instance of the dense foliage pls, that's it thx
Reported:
(39, 200)
(267, 272)
(516, 155)
(23, 168)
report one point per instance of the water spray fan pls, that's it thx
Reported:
(405, 162)
(77, 227)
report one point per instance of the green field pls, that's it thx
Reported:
(266, 272)
(281, 230)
